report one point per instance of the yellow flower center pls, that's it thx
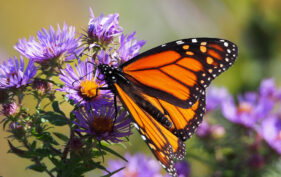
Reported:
(245, 107)
(89, 88)
(279, 136)
(102, 125)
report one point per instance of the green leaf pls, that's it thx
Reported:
(112, 173)
(45, 137)
(56, 108)
(56, 162)
(112, 152)
(61, 136)
(37, 167)
(33, 145)
(19, 152)
(55, 119)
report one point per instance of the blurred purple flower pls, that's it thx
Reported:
(215, 96)
(256, 161)
(103, 29)
(13, 74)
(100, 123)
(129, 47)
(268, 90)
(203, 129)
(270, 130)
(81, 85)
(248, 111)
(9, 109)
(50, 45)
(138, 166)
(183, 169)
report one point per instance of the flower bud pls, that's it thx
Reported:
(217, 131)
(42, 86)
(256, 161)
(76, 144)
(9, 109)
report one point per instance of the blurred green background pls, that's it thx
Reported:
(254, 25)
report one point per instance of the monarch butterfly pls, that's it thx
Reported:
(164, 91)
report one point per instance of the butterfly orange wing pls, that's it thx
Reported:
(179, 72)
(184, 120)
(164, 144)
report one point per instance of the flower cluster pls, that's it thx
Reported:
(257, 111)
(82, 82)
(96, 119)
(140, 165)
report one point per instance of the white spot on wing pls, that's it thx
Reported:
(180, 42)
(193, 40)
(225, 44)
(136, 125)
(143, 137)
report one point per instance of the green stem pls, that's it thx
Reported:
(200, 159)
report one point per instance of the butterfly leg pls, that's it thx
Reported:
(116, 109)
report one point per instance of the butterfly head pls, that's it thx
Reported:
(108, 72)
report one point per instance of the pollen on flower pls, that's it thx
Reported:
(89, 88)
(129, 173)
(102, 125)
(245, 107)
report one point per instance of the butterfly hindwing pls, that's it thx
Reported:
(164, 144)
(178, 72)
(184, 120)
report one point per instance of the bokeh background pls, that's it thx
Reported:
(254, 25)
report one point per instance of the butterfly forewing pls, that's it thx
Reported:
(178, 72)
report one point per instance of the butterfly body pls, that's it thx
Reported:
(164, 91)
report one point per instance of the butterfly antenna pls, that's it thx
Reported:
(86, 71)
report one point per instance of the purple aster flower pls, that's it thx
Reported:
(13, 74)
(183, 168)
(138, 166)
(249, 110)
(101, 123)
(106, 58)
(9, 109)
(215, 96)
(129, 47)
(50, 45)
(81, 85)
(270, 129)
(103, 29)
